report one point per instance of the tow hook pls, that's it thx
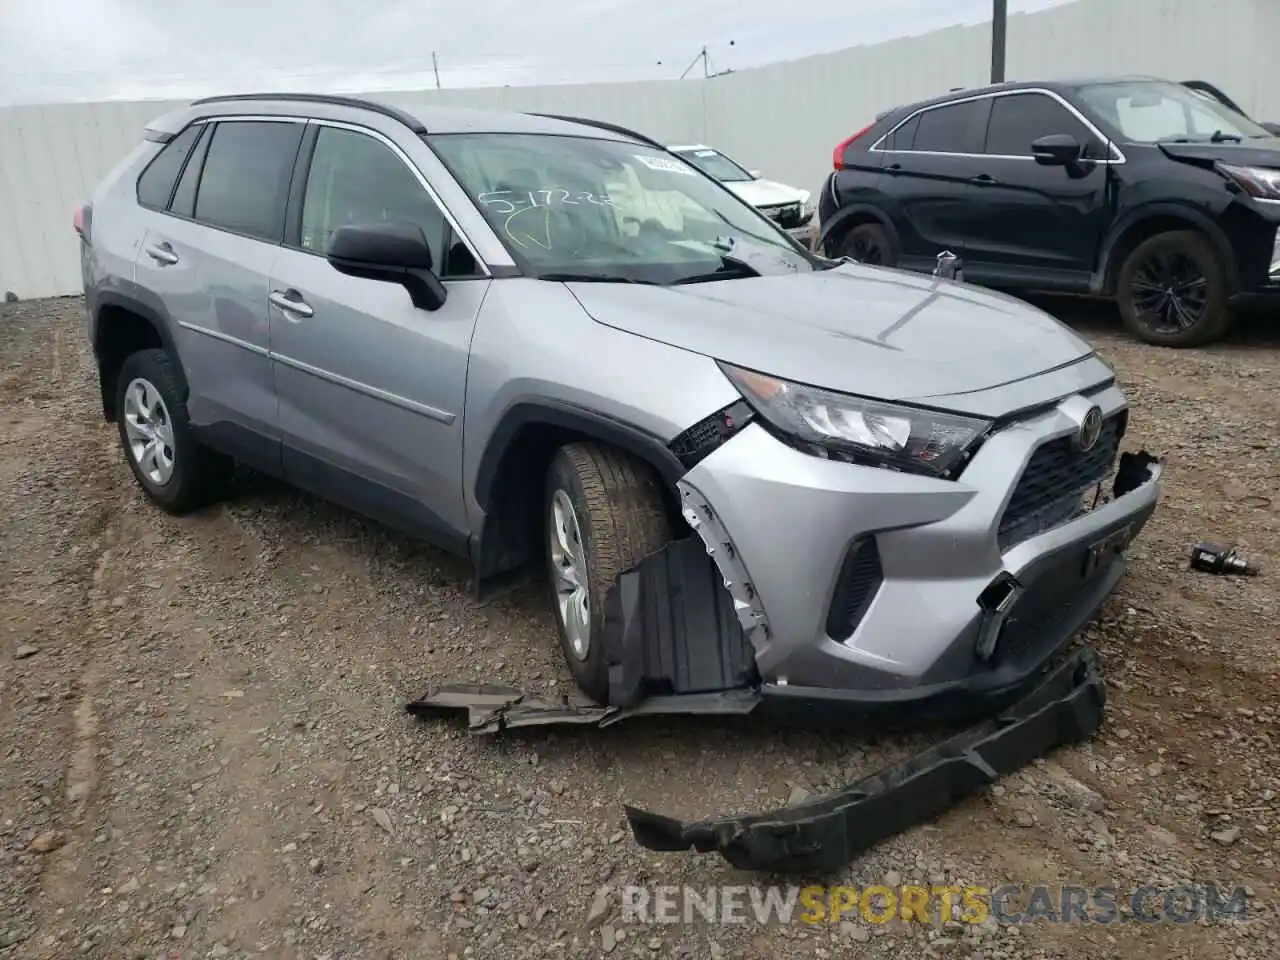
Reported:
(996, 601)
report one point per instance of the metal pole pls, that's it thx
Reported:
(999, 23)
(435, 65)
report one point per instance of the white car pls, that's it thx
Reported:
(789, 207)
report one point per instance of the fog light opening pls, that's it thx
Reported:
(995, 601)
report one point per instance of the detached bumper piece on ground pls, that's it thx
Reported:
(824, 834)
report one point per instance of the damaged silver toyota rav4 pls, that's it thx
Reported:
(548, 343)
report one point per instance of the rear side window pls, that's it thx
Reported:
(155, 186)
(1020, 119)
(184, 197)
(244, 185)
(956, 128)
(904, 137)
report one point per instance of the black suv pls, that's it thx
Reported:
(1137, 189)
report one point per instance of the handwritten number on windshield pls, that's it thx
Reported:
(510, 204)
(507, 202)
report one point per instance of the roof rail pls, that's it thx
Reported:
(359, 103)
(603, 125)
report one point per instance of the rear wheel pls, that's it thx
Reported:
(604, 514)
(170, 465)
(868, 243)
(1172, 291)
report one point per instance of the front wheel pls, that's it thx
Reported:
(604, 514)
(1172, 291)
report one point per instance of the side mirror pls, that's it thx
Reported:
(392, 253)
(1056, 150)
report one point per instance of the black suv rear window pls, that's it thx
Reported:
(155, 186)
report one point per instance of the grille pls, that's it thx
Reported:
(860, 578)
(1051, 489)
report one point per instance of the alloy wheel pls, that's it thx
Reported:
(1170, 291)
(150, 431)
(569, 563)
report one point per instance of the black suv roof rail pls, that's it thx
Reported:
(395, 113)
(603, 125)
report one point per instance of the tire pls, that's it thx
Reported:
(616, 504)
(868, 243)
(1199, 314)
(178, 474)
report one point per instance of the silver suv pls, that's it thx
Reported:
(543, 342)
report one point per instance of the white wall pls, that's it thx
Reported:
(783, 118)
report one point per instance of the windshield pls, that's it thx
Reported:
(1148, 111)
(715, 164)
(606, 209)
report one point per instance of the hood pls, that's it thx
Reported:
(763, 193)
(870, 331)
(1248, 153)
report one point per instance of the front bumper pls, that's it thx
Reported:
(785, 528)
(805, 235)
(823, 835)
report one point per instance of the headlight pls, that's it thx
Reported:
(1258, 182)
(843, 427)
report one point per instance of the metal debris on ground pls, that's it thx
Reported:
(1211, 558)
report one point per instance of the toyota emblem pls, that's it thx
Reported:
(1090, 430)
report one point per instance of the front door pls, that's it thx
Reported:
(1041, 225)
(371, 388)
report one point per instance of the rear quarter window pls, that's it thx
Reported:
(954, 128)
(155, 185)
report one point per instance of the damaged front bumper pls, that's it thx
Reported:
(824, 834)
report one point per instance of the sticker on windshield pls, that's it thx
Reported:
(665, 164)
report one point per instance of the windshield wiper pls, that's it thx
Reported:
(730, 266)
(591, 278)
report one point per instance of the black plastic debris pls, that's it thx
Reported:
(822, 835)
(491, 710)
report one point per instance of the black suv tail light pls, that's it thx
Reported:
(837, 155)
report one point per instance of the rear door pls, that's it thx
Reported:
(1040, 224)
(931, 163)
(207, 257)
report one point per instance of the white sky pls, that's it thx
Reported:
(59, 50)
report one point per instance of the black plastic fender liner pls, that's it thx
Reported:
(670, 629)
(824, 834)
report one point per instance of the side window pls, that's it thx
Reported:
(357, 179)
(957, 128)
(184, 197)
(244, 185)
(1020, 119)
(904, 137)
(155, 186)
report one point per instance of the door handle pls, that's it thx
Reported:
(161, 253)
(983, 179)
(290, 301)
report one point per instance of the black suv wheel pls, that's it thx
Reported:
(1172, 291)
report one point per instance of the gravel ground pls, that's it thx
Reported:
(205, 753)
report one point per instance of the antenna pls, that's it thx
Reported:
(707, 69)
(435, 66)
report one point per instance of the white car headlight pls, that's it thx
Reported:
(844, 427)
